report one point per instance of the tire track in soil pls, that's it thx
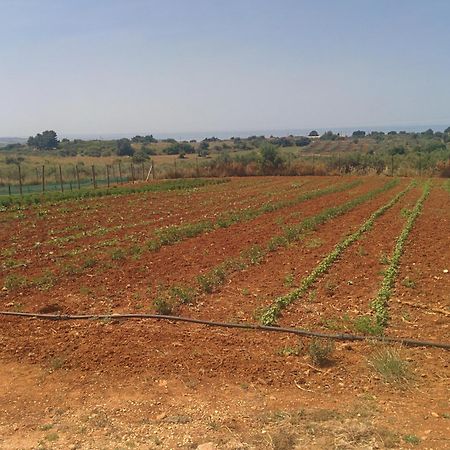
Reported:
(257, 286)
(426, 256)
(123, 285)
(353, 281)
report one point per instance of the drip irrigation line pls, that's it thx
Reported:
(256, 327)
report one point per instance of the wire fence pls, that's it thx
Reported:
(22, 179)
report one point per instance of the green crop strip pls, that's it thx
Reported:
(175, 233)
(380, 303)
(171, 185)
(270, 314)
(102, 230)
(447, 186)
(255, 254)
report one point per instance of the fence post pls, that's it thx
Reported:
(392, 165)
(132, 172)
(9, 189)
(153, 169)
(107, 174)
(43, 178)
(61, 179)
(196, 166)
(20, 179)
(78, 176)
(93, 177)
(120, 173)
(143, 172)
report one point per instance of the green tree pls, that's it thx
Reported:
(302, 141)
(44, 141)
(124, 147)
(203, 149)
(329, 136)
(270, 156)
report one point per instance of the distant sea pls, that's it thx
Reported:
(199, 135)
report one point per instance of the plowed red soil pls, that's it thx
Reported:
(154, 384)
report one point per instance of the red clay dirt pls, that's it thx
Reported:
(147, 384)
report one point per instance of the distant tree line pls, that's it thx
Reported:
(44, 141)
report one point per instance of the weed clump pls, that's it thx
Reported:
(164, 306)
(320, 351)
(389, 363)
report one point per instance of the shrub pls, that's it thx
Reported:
(184, 294)
(164, 306)
(320, 351)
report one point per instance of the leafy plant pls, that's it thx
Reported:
(367, 325)
(411, 439)
(14, 282)
(164, 306)
(271, 313)
(118, 254)
(407, 282)
(289, 279)
(320, 351)
(379, 304)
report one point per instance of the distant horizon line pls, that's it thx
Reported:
(227, 134)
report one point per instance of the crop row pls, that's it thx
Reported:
(21, 242)
(170, 185)
(102, 230)
(270, 314)
(56, 232)
(176, 233)
(380, 303)
(173, 234)
(210, 281)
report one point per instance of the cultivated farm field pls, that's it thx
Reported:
(365, 256)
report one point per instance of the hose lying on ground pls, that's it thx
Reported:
(297, 331)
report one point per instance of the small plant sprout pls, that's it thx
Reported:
(407, 282)
(289, 279)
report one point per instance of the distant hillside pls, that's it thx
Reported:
(11, 140)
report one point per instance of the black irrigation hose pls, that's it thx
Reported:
(300, 332)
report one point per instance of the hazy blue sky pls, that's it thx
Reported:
(112, 66)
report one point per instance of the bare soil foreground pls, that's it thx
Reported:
(336, 255)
